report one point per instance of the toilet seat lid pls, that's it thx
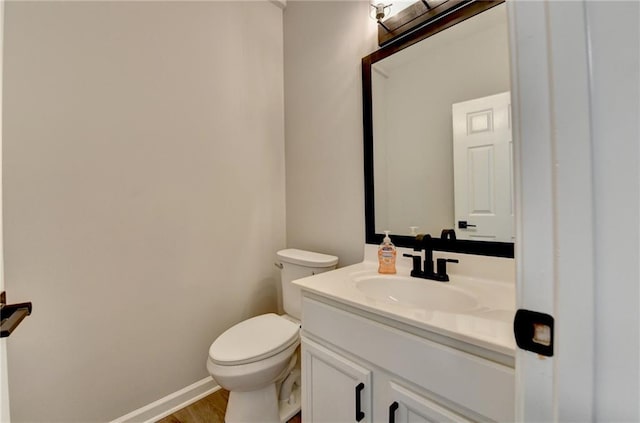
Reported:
(253, 340)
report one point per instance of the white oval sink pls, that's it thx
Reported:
(416, 293)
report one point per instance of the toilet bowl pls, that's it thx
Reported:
(249, 360)
(255, 360)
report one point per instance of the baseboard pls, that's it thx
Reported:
(171, 403)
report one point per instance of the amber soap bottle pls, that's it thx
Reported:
(387, 256)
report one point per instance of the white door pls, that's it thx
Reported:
(556, 244)
(483, 168)
(334, 389)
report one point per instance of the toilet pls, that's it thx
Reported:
(255, 360)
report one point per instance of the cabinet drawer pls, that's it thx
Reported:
(472, 382)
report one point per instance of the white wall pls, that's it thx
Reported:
(324, 44)
(144, 194)
(382, 141)
(615, 68)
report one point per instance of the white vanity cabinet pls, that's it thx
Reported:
(337, 389)
(354, 361)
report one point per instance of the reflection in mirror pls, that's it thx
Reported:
(427, 174)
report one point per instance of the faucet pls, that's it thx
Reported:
(425, 242)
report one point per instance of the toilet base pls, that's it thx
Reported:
(262, 406)
(259, 406)
(291, 407)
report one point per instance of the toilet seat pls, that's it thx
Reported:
(253, 340)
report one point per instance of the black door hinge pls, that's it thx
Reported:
(11, 315)
(534, 332)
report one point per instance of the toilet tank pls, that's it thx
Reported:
(296, 264)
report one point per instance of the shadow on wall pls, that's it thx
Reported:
(263, 299)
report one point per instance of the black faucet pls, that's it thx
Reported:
(425, 242)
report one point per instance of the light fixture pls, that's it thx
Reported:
(381, 10)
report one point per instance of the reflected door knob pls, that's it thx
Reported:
(463, 224)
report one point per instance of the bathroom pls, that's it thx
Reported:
(178, 146)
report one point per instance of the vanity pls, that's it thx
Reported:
(396, 348)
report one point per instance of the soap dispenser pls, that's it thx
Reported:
(387, 256)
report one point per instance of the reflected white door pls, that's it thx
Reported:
(483, 168)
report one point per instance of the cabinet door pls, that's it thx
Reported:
(334, 389)
(406, 406)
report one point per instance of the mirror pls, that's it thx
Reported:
(438, 145)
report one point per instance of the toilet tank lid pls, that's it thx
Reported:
(306, 258)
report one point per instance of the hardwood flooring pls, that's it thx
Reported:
(209, 409)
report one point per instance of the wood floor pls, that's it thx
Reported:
(209, 409)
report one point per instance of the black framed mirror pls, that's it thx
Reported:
(393, 189)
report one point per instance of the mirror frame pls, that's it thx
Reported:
(485, 248)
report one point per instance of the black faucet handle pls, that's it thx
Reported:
(442, 268)
(417, 269)
(415, 257)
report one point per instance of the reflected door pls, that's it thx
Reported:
(483, 168)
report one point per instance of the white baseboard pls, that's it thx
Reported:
(171, 403)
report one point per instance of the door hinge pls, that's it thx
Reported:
(534, 332)
(11, 315)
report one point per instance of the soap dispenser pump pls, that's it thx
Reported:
(387, 256)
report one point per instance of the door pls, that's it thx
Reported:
(4, 383)
(406, 406)
(483, 168)
(334, 389)
(555, 238)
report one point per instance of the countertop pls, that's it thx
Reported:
(488, 325)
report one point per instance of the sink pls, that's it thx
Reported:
(416, 293)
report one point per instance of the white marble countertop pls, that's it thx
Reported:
(488, 324)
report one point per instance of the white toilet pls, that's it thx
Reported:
(255, 359)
